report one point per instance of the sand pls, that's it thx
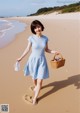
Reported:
(61, 92)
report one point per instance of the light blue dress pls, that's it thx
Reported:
(36, 65)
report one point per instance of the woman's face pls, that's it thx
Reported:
(38, 29)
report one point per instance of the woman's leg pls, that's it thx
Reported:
(35, 82)
(37, 90)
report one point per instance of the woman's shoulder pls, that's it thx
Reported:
(30, 38)
(45, 37)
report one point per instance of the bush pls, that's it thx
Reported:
(70, 9)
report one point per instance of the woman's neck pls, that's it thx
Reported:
(38, 35)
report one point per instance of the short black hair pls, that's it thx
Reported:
(34, 24)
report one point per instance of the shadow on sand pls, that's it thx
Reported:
(73, 80)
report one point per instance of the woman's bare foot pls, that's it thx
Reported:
(34, 101)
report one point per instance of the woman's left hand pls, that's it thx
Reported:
(55, 52)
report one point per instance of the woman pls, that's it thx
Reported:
(36, 65)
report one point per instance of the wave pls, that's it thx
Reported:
(4, 26)
(9, 30)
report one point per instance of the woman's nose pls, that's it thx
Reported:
(37, 28)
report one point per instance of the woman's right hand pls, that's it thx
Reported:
(19, 59)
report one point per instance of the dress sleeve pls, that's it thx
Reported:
(47, 39)
(30, 39)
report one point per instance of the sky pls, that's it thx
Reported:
(26, 7)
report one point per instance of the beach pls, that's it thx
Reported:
(61, 92)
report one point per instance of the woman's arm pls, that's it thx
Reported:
(25, 52)
(50, 51)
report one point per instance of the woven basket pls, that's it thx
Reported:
(58, 61)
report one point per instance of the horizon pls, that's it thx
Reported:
(24, 7)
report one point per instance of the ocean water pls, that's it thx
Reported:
(8, 30)
(4, 26)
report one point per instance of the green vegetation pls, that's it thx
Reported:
(72, 8)
(60, 9)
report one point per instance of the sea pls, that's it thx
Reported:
(8, 31)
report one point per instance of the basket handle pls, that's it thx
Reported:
(57, 55)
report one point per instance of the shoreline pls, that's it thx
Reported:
(10, 34)
(4, 30)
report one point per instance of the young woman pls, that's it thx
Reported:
(36, 65)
